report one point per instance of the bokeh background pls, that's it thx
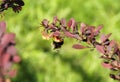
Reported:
(42, 64)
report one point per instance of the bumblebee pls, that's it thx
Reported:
(57, 42)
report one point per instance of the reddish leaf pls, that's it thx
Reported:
(45, 22)
(51, 26)
(2, 27)
(16, 59)
(78, 46)
(107, 65)
(100, 49)
(5, 58)
(98, 29)
(68, 34)
(11, 50)
(105, 37)
(55, 19)
(82, 29)
(56, 33)
(12, 73)
(112, 43)
(63, 22)
(7, 38)
(69, 23)
(108, 35)
(77, 36)
(72, 24)
(8, 66)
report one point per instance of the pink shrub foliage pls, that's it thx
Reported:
(109, 49)
(8, 53)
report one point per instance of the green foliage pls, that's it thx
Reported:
(39, 62)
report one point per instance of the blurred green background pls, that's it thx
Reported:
(42, 64)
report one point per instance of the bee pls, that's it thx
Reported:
(57, 42)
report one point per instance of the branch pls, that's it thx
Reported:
(60, 29)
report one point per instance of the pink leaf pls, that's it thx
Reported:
(45, 22)
(16, 59)
(112, 43)
(12, 73)
(11, 50)
(7, 38)
(2, 27)
(69, 23)
(108, 35)
(55, 19)
(72, 24)
(105, 37)
(78, 46)
(63, 22)
(100, 49)
(98, 29)
(83, 25)
(107, 65)
(77, 36)
(5, 59)
(51, 26)
(7, 66)
(68, 34)
(56, 33)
